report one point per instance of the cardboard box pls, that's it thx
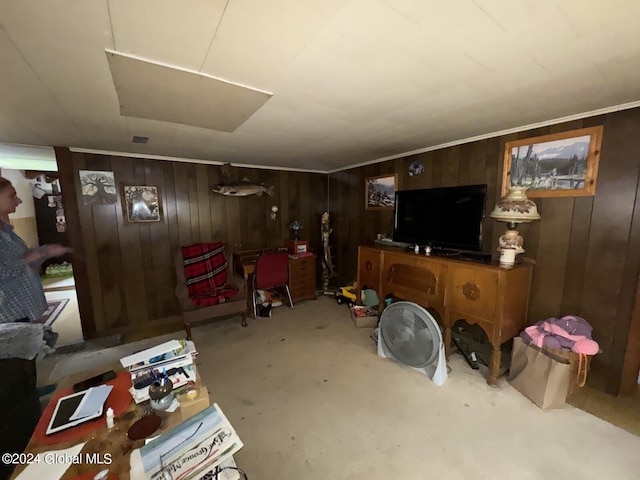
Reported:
(297, 246)
(364, 317)
(193, 401)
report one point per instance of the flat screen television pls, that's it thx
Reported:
(446, 217)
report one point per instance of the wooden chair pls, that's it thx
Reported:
(272, 272)
(192, 313)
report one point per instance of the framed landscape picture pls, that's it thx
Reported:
(380, 192)
(141, 203)
(556, 165)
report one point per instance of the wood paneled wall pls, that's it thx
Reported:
(587, 249)
(129, 269)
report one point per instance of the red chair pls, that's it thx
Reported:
(271, 272)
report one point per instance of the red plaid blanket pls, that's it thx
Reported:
(205, 271)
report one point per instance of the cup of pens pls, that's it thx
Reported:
(161, 392)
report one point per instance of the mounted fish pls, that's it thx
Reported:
(242, 189)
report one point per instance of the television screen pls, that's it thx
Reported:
(447, 217)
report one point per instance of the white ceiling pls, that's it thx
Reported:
(353, 81)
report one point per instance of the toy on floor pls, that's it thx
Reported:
(369, 297)
(346, 295)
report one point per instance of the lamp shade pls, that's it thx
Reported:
(515, 207)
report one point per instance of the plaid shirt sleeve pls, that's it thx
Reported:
(21, 293)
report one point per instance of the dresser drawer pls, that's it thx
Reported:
(300, 265)
(301, 276)
(306, 293)
(303, 283)
(473, 292)
(300, 270)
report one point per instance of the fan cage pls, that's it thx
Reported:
(410, 334)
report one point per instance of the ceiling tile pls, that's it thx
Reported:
(189, 98)
(151, 29)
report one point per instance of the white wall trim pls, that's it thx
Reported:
(190, 160)
(578, 116)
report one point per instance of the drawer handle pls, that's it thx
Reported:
(471, 291)
(368, 265)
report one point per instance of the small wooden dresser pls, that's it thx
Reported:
(302, 278)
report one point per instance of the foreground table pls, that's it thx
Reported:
(105, 448)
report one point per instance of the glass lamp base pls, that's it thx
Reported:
(511, 239)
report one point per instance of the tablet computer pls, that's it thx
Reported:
(66, 407)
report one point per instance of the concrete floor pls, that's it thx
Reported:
(310, 399)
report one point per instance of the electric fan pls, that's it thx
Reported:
(410, 335)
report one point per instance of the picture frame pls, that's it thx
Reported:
(98, 187)
(556, 165)
(141, 204)
(301, 248)
(380, 191)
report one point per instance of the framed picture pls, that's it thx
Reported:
(141, 203)
(98, 187)
(556, 165)
(380, 192)
(301, 248)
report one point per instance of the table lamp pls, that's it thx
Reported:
(514, 208)
(295, 228)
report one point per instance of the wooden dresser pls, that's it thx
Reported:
(302, 278)
(493, 297)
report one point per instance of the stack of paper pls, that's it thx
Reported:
(173, 359)
(189, 450)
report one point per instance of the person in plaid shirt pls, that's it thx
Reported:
(21, 294)
(22, 303)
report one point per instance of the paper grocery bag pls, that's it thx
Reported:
(540, 376)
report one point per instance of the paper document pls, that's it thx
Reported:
(146, 355)
(166, 355)
(188, 450)
(92, 402)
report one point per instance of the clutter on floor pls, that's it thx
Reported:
(551, 358)
(266, 301)
(364, 317)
